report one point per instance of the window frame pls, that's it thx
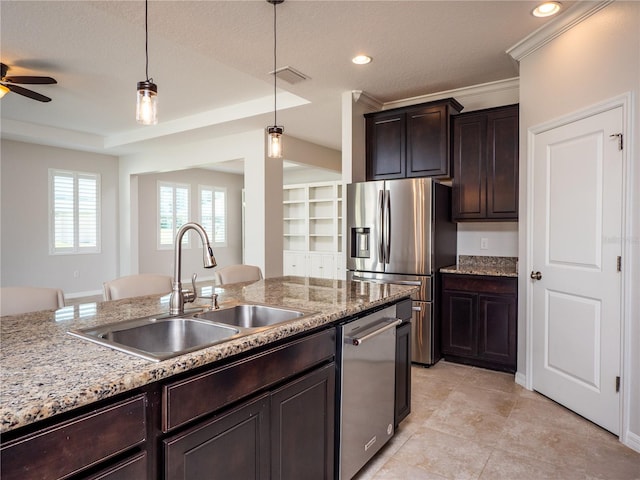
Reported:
(212, 237)
(76, 248)
(186, 240)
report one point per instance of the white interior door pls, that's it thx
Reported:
(576, 240)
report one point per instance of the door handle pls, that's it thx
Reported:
(536, 275)
(360, 340)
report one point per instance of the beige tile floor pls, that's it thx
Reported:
(471, 423)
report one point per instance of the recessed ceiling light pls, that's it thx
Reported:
(546, 9)
(361, 59)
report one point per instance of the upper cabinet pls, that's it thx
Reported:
(410, 141)
(485, 163)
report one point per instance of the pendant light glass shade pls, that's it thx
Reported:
(275, 132)
(275, 141)
(147, 103)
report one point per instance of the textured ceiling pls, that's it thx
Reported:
(211, 60)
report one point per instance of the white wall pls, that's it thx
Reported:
(154, 260)
(594, 61)
(24, 245)
(263, 189)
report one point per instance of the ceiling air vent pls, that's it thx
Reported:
(289, 75)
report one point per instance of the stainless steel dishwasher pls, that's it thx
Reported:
(367, 388)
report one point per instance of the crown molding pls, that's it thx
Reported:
(359, 96)
(545, 34)
(457, 93)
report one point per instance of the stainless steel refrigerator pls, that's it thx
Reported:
(400, 231)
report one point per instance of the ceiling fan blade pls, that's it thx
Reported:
(27, 93)
(31, 80)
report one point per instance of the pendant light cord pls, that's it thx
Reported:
(275, 49)
(146, 38)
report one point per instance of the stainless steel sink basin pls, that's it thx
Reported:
(158, 338)
(251, 316)
(161, 337)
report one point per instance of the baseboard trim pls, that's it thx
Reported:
(521, 379)
(632, 441)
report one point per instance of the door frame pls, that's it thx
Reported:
(626, 102)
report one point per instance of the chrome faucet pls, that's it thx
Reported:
(178, 296)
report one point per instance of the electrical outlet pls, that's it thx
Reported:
(484, 244)
(76, 273)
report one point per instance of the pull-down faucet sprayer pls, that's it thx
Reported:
(179, 297)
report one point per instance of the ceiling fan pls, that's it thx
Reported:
(9, 83)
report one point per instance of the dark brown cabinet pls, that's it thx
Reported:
(285, 434)
(76, 445)
(233, 445)
(410, 141)
(485, 164)
(479, 321)
(302, 427)
(403, 372)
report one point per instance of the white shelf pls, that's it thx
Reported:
(312, 237)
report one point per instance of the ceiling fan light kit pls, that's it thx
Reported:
(147, 91)
(275, 132)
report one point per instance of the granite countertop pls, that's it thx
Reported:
(478, 265)
(44, 371)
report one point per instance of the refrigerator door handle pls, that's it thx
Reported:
(387, 227)
(381, 237)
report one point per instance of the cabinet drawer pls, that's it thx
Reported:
(133, 467)
(68, 448)
(185, 400)
(480, 284)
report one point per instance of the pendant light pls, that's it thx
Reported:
(275, 132)
(147, 95)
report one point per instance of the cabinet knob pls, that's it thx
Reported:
(536, 275)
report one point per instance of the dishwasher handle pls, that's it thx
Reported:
(360, 340)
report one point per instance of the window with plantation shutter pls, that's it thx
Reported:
(173, 212)
(74, 212)
(213, 213)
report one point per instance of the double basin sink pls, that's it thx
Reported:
(157, 338)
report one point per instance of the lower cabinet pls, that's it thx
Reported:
(403, 372)
(302, 427)
(284, 434)
(81, 445)
(313, 264)
(479, 320)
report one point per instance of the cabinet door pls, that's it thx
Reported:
(428, 142)
(459, 323)
(386, 145)
(322, 265)
(294, 263)
(497, 329)
(233, 445)
(469, 167)
(302, 427)
(403, 372)
(502, 163)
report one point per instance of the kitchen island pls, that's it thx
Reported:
(48, 376)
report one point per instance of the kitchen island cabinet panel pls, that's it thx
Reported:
(403, 371)
(131, 468)
(479, 320)
(302, 427)
(233, 445)
(71, 447)
(188, 399)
